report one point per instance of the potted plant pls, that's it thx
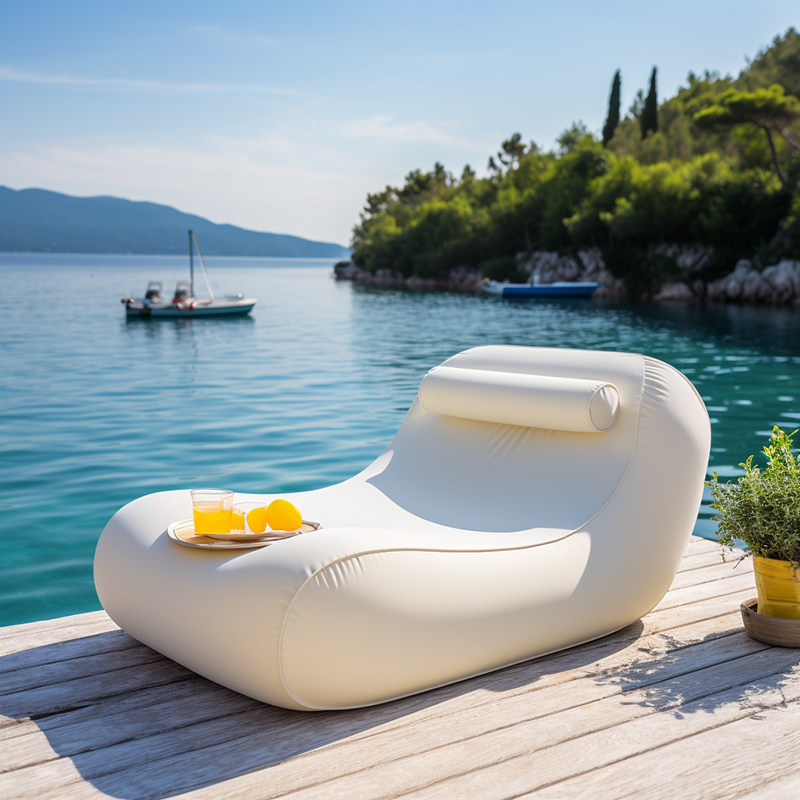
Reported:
(762, 509)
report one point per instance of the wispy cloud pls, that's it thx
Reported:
(132, 85)
(385, 127)
(239, 38)
(262, 145)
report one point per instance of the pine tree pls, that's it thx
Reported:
(649, 118)
(612, 120)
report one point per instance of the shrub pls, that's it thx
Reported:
(763, 507)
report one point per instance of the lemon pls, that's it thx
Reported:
(257, 519)
(283, 516)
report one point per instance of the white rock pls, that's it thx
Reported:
(676, 293)
(769, 275)
(789, 267)
(743, 267)
(756, 289)
(783, 288)
(605, 278)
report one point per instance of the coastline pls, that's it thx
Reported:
(776, 285)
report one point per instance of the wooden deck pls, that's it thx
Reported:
(681, 704)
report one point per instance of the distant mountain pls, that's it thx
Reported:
(38, 221)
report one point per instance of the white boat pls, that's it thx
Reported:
(183, 303)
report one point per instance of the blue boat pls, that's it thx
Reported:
(557, 289)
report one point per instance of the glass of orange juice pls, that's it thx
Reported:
(211, 509)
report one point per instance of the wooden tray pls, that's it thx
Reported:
(182, 532)
(772, 630)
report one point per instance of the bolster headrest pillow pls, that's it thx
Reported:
(535, 401)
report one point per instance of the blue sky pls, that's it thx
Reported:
(281, 116)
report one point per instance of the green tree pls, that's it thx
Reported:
(770, 109)
(637, 105)
(612, 120)
(511, 151)
(779, 63)
(649, 119)
(569, 139)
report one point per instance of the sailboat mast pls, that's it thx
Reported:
(191, 266)
(203, 267)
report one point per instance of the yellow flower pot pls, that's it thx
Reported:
(778, 586)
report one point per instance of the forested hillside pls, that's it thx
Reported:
(718, 164)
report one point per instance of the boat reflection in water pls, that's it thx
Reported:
(183, 303)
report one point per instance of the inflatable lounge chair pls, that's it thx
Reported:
(533, 499)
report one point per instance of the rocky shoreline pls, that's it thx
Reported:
(461, 280)
(777, 285)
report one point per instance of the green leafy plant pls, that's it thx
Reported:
(763, 507)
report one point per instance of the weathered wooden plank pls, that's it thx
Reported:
(711, 574)
(90, 732)
(69, 694)
(707, 591)
(71, 620)
(14, 638)
(73, 786)
(697, 544)
(387, 770)
(722, 555)
(433, 746)
(786, 787)
(548, 772)
(763, 745)
(53, 652)
(125, 705)
(206, 702)
(21, 680)
(664, 619)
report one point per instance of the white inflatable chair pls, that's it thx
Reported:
(533, 499)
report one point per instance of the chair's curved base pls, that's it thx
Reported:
(331, 620)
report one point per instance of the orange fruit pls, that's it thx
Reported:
(283, 516)
(257, 519)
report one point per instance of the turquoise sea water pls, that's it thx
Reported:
(96, 411)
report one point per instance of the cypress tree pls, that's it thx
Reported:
(612, 120)
(649, 118)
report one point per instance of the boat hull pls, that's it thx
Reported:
(559, 289)
(218, 308)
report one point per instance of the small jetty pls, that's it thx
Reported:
(680, 704)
